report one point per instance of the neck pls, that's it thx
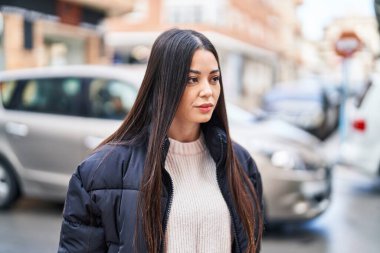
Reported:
(184, 132)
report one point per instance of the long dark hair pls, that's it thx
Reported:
(154, 109)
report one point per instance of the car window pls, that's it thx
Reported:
(45, 95)
(110, 99)
(7, 90)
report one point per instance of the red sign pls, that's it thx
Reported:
(347, 44)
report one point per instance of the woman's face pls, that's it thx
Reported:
(202, 89)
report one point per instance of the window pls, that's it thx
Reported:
(110, 99)
(47, 95)
(7, 90)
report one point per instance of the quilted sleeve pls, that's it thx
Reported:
(81, 229)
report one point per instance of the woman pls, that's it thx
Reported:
(169, 179)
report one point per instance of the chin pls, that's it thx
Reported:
(204, 118)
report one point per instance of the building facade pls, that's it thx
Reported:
(54, 32)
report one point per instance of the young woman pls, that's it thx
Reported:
(170, 179)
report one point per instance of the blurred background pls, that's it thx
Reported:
(302, 82)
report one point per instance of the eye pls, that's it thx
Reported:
(215, 79)
(192, 80)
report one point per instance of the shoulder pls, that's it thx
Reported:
(249, 165)
(104, 168)
(245, 159)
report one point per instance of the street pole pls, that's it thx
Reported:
(345, 46)
(344, 89)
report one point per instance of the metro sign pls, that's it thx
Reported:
(347, 44)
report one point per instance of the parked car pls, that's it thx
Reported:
(51, 118)
(308, 104)
(296, 177)
(360, 148)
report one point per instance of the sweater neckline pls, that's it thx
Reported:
(187, 148)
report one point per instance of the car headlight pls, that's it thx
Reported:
(280, 157)
(287, 160)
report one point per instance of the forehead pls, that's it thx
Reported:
(203, 59)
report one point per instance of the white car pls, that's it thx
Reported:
(360, 148)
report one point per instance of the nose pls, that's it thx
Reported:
(206, 90)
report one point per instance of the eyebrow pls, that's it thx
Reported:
(198, 72)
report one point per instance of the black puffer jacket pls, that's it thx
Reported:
(100, 209)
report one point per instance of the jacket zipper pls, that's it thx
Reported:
(225, 199)
(166, 215)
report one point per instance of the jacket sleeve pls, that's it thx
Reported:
(254, 175)
(81, 229)
(255, 178)
(249, 165)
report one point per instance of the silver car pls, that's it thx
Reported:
(51, 118)
(296, 177)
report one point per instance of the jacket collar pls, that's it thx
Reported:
(216, 142)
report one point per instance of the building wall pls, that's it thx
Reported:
(62, 32)
(310, 58)
(15, 54)
(51, 41)
(288, 36)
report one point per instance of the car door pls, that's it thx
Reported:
(43, 127)
(365, 126)
(108, 101)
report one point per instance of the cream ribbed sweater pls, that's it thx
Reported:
(199, 220)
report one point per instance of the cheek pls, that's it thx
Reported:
(216, 92)
(186, 102)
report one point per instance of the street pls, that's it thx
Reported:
(351, 224)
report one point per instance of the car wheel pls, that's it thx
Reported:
(9, 191)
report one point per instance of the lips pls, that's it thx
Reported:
(205, 108)
(207, 105)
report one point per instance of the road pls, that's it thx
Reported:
(351, 224)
